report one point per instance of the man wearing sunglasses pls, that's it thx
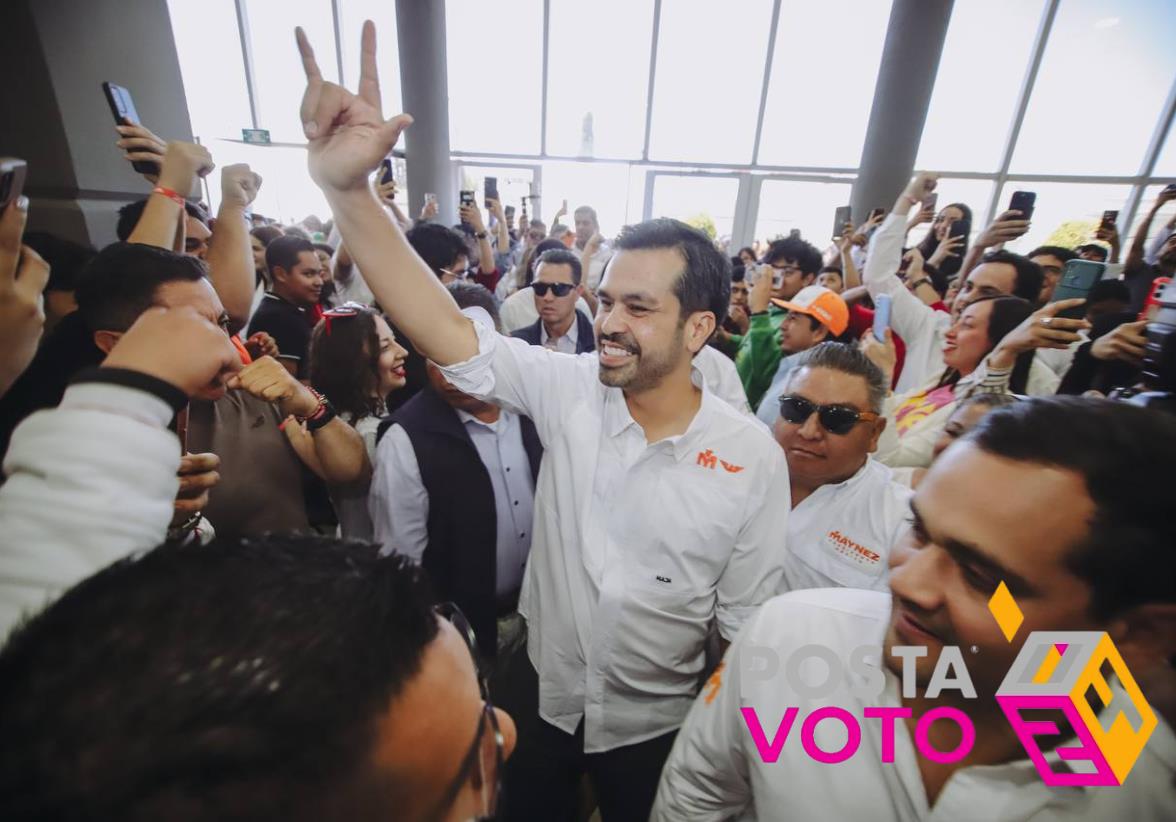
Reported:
(847, 511)
(557, 287)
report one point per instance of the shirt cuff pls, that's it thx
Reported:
(123, 400)
(475, 376)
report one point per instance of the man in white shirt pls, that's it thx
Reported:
(659, 510)
(1078, 538)
(590, 247)
(923, 328)
(847, 511)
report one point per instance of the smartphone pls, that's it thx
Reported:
(960, 228)
(490, 187)
(1078, 277)
(387, 174)
(12, 177)
(840, 217)
(123, 109)
(881, 316)
(1023, 202)
(430, 197)
(465, 198)
(1109, 218)
(930, 200)
(1152, 305)
(1170, 188)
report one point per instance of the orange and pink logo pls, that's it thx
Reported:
(1060, 686)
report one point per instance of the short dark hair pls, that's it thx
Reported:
(344, 360)
(848, 359)
(705, 281)
(1029, 278)
(831, 269)
(748, 249)
(283, 251)
(806, 256)
(324, 247)
(471, 295)
(1008, 312)
(541, 248)
(561, 256)
(1109, 290)
(120, 283)
(66, 258)
(250, 678)
(266, 233)
(1061, 252)
(437, 245)
(297, 231)
(128, 217)
(1100, 250)
(738, 272)
(585, 209)
(1125, 455)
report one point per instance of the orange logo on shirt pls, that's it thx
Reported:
(713, 684)
(708, 459)
(852, 549)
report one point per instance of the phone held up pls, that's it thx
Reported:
(12, 177)
(1023, 201)
(490, 187)
(122, 107)
(840, 217)
(465, 198)
(1078, 277)
(881, 316)
(1109, 218)
(387, 172)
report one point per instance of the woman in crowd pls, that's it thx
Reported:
(967, 415)
(260, 238)
(916, 418)
(355, 362)
(747, 256)
(943, 253)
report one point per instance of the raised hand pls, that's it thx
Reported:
(23, 275)
(239, 184)
(348, 136)
(917, 189)
(183, 163)
(1041, 329)
(139, 144)
(267, 379)
(1007, 226)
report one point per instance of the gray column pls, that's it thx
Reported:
(906, 77)
(54, 55)
(425, 89)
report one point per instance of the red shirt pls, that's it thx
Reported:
(861, 320)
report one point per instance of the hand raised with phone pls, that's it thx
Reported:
(23, 275)
(348, 134)
(1007, 226)
(183, 164)
(140, 145)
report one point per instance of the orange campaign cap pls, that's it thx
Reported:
(822, 304)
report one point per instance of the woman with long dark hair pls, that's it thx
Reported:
(355, 362)
(944, 254)
(916, 417)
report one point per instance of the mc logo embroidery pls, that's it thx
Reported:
(1059, 686)
(708, 459)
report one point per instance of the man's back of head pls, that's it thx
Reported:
(238, 680)
(437, 245)
(121, 282)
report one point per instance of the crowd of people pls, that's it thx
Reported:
(384, 518)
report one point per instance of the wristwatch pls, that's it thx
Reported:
(481, 235)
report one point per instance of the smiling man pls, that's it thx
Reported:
(1082, 538)
(297, 283)
(618, 603)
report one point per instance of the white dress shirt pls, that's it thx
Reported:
(565, 344)
(840, 535)
(638, 546)
(715, 772)
(351, 504)
(595, 272)
(399, 504)
(921, 327)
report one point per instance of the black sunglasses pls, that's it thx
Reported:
(485, 755)
(560, 289)
(836, 419)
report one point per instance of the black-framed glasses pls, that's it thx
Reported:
(836, 419)
(559, 289)
(483, 760)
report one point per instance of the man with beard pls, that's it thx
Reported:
(923, 328)
(1061, 501)
(660, 510)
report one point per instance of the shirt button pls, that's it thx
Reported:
(516, 502)
(508, 470)
(522, 535)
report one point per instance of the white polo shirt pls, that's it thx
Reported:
(715, 772)
(840, 535)
(637, 547)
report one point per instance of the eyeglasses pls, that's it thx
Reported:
(559, 289)
(836, 419)
(485, 756)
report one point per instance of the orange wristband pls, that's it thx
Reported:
(170, 194)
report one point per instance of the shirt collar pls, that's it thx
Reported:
(617, 417)
(573, 332)
(500, 425)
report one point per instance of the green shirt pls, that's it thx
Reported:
(759, 354)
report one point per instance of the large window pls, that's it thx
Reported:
(597, 70)
(807, 207)
(214, 75)
(706, 202)
(1065, 213)
(1104, 78)
(710, 65)
(987, 51)
(820, 88)
(352, 13)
